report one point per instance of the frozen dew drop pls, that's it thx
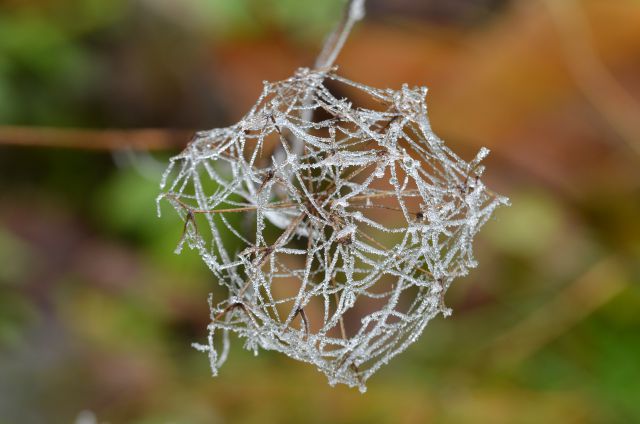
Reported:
(306, 223)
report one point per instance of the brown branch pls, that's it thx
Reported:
(148, 139)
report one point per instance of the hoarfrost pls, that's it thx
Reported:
(335, 237)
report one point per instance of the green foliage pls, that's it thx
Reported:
(303, 20)
(40, 66)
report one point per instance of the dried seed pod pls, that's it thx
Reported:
(355, 224)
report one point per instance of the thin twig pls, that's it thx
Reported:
(147, 139)
(408, 193)
(354, 12)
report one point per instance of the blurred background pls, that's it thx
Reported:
(97, 314)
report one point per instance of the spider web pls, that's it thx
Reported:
(335, 228)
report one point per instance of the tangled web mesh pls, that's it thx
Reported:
(336, 229)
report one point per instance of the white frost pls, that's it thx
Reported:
(365, 205)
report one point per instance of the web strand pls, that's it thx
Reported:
(338, 254)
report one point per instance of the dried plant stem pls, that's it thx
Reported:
(354, 12)
(148, 139)
(408, 193)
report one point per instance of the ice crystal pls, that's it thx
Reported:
(336, 229)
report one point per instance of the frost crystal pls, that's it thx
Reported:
(336, 229)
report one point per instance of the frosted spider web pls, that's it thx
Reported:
(336, 229)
